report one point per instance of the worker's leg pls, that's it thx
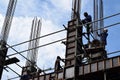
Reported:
(88, 33)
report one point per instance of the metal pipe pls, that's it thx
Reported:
(8, 20)
(64, 30)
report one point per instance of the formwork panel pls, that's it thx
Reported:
(81, 68)
(70, 62)
(86, 69)
(71, 39)
(93, 67)
(35, 79)
(52, 75)
(72, 50)
(60, 75)
(116, 62)
(101, 65)
(69, 73)
(71, 34)
(70, 45)
(108, 63)
(41, 78)
(47, 77)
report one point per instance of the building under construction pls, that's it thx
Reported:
(82, 61)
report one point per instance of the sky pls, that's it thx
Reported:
(53, 14)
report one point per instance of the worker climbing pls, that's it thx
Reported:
(87, 24)
(57, 63)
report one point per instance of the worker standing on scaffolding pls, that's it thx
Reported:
(103, 37)
(87, 24)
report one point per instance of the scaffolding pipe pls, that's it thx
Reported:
(35, 32)
(63, 30)
(101, 15)
(95, 18)
(58, 40)
(8, 20)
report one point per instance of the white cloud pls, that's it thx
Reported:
(63, 4)
(4, 2)
(20, 31)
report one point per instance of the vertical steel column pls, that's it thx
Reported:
(95, 6)
(8, 20)
(101, 13)
(3, 53)
(35, 32)
(5, 32)
(78, 10)
(105, 78)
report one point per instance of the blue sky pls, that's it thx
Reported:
(54, 14)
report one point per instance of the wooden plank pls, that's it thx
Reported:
(86, 69)
(108, 63)
(101, 65)
(116, 62)
(73, 33)
(60, 75)
(71, 39)
(70, 45)
(93, 67)
(69, 51)
(41, 78)
(35, 78)
(47, 77)
(69, 73)
(81, 70)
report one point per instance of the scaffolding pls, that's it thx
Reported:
(81, 62)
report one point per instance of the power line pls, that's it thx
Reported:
(64, 30)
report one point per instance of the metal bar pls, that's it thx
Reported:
(63, 30)
(56, 41)
(113, 52)
(38, 38)
(13, 70)
(13, 78)
(101, 15)
(105, 78)
(37, 47)
(8, 19)
(23, 56)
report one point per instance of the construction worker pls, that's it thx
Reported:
(57, 63)
(103, 37)
(26, 76)
(87, 23)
